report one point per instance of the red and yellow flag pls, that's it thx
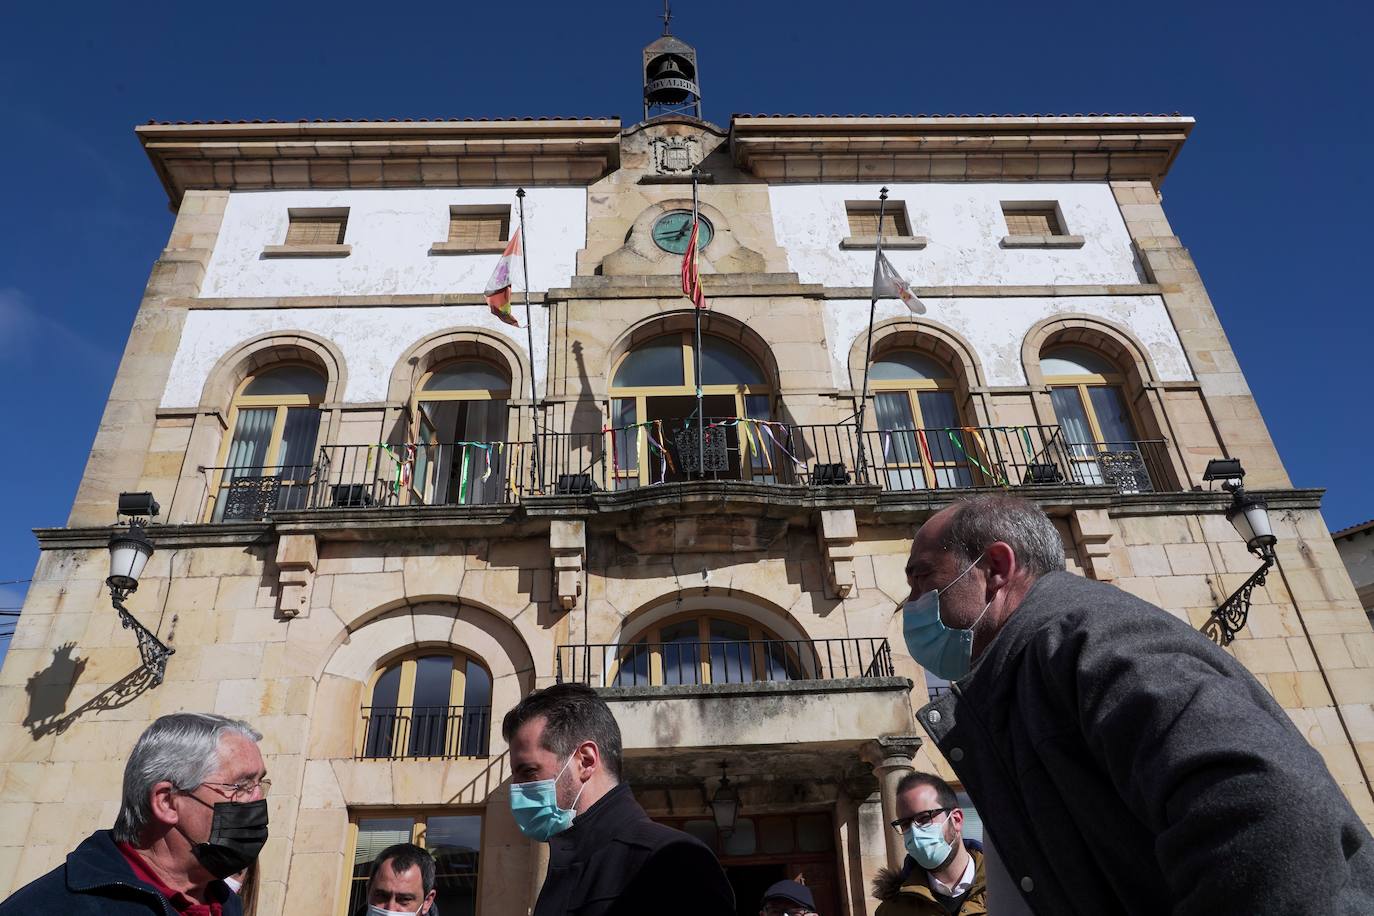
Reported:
(691, 272)
(498, 287)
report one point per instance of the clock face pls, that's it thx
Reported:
(673, 230)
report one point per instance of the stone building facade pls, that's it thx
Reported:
(374, 539)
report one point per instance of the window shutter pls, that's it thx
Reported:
(478, 229)
(1033, 222)
(316, 230)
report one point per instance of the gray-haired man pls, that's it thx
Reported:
(1121, 762)
(193, 813)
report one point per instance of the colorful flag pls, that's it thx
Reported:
(498, 287)
(691, 272)
(888, 284)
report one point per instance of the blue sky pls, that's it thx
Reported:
(1271, 193)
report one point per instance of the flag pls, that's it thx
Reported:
(888, 284)
(498, 287)
(691, 272)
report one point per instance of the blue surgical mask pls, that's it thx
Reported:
(945, 652)
(534, 805)
(927, 845)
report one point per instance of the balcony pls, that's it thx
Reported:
(424, 732)
(692, 663)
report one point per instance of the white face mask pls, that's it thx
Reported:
(374, 910)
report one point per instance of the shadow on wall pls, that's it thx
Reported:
(50, 688)
(477, 791)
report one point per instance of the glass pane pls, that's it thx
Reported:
(724, 363)
(937, 409)
(814, 833)
(374, 836)
(1112, 418)
(731, 654)
(468, 375)
(776, 834)
(252, 432)
(476, 711)
(907, 366)
(1068, 409)
(743, 841)
(296, 455)
(454, 841)
(1074, 361)
(656, 363)
(702, 830)
(941, 418)
(430, 715)
(973, 822)
(382, 719)
(625, 442)
(681, 653)
(935, 685)
(287, 380)
(898, 447)
(634, 666)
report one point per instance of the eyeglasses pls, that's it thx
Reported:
(775, 909)
(241, 791)
(920, 819)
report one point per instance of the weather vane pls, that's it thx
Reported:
(667, 15)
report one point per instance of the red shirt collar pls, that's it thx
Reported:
(179, 901)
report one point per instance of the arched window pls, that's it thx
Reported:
(921, 441)
(653, 389)
(460, 430)
(430, 705)
(1090, 405)
(714, 647)
(268, 460)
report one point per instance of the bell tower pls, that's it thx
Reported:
(670, 76)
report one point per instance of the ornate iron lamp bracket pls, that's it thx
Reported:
(150, 649)
(1231, 615)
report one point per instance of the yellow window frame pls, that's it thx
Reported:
(652, 635)
(405, 691)
(418, 836)
(912, 388)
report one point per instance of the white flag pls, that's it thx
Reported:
(888, 284)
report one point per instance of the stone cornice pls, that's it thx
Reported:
(811, 149)
(388, 154)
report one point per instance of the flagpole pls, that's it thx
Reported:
(529, 332)
(696, 351)
(860, 463)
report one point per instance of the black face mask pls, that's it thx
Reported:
(237, 834)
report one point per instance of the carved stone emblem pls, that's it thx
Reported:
(675, 154)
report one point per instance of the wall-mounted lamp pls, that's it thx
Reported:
(725, 804)
(1250, 517)
(130, 550)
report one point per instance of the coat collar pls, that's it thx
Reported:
(98, 863)
(599, 823)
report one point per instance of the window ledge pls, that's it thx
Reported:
(307, 251)
(464, 248)
(870, 242)
(1042, 241)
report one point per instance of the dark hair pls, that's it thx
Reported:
(944, 794)
(404, 856)
(572, 713)
(976, 523)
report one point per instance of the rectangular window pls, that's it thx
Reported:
(1036, 219)
(316, 227)
(454, 840)
(863, 219)
(473, 227)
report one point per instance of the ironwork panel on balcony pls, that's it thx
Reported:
(245, 494)
(448, 474)
(409, 732)
(690, 662)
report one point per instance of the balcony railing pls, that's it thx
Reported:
(247, 494)
(1139, 466)
(660, 664)
(725, 448)
(401, 732)
(450, 474)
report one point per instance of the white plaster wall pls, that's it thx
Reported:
(963, 224)
(371, 340)
(996, 329)
(391, 232)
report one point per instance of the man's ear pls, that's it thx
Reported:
(1001, 566)
(589, 756)
(160, 801)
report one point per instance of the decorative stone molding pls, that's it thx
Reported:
(568, 544)
(890, 756)
(896, 243)
(1042, 241)
(297, 557)
(1093, 531)
(837, 531)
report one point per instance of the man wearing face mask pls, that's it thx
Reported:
(1121, 762)
(193, 814)
(402, 881)
(943, 873)
(606, 858)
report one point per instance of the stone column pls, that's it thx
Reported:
(890, 757)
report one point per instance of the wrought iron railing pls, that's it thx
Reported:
(724, 448)
(1138, 466)
(249, 494)
(450, 474)
(660, 664)
(399, 732)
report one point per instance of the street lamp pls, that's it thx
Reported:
(130, 550)
(725, 804)
(1250, 517)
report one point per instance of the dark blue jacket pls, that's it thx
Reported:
(96, 880)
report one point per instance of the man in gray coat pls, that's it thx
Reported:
(1122, 763)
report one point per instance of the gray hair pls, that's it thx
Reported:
(181, 748)
(1022, 525)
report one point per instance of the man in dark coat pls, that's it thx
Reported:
(606, 858)
(192, 814)
(1122, 762)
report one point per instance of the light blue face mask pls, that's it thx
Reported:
(945, 652)
(927, 845)
(534, 805)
